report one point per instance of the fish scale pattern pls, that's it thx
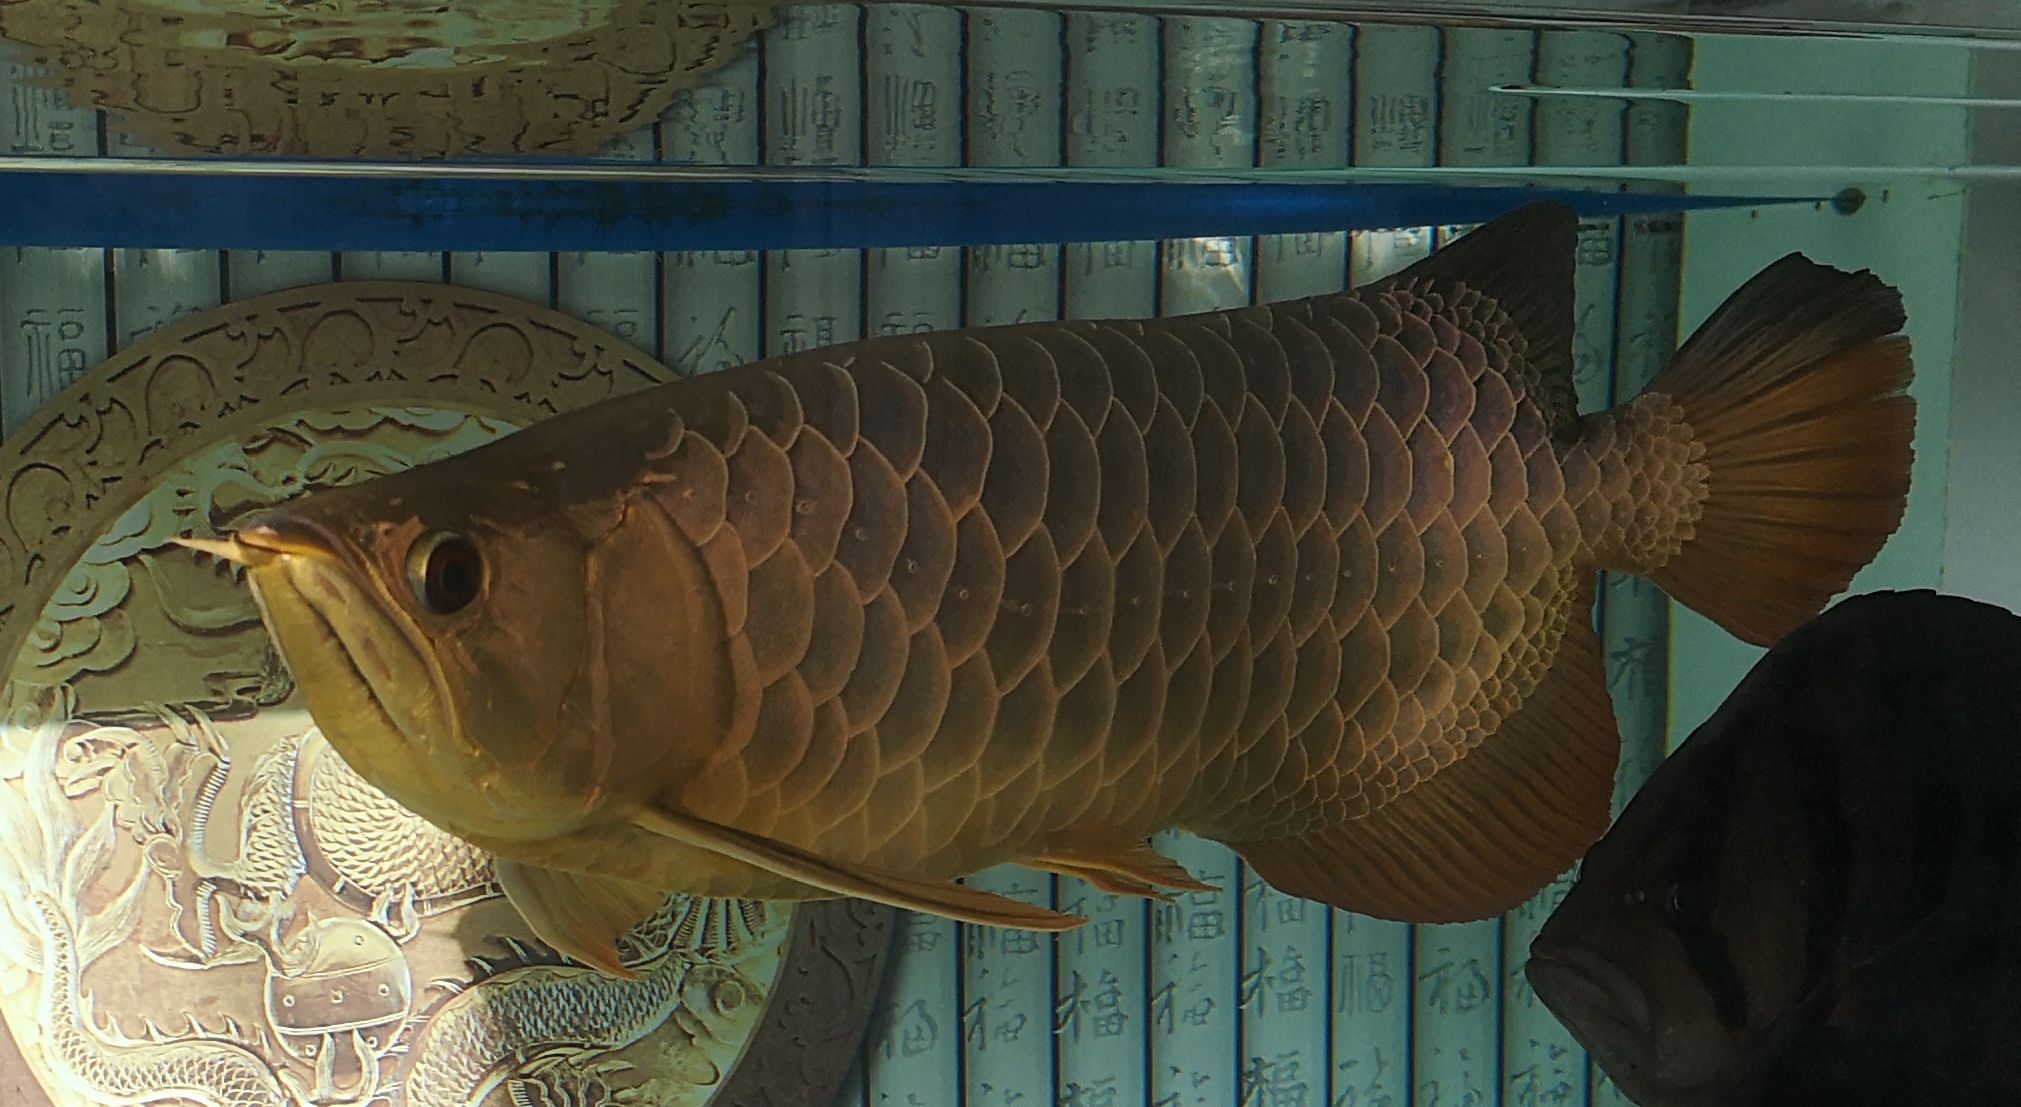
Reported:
(1253, 573)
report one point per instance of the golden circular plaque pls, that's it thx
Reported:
(200, 902)
(378, 78)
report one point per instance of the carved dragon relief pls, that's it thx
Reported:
(371, 79)
(202, 902)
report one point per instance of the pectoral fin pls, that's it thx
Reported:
(948, 900)
(581, 916)
(1120, 868)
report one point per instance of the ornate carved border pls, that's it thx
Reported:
(820, 1009)
(331, 82)
(92, 452)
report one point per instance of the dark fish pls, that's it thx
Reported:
(1816, 898)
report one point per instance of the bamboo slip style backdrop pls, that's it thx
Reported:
(1247, 997)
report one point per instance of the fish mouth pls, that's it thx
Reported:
(266, 538)
(1595, 998)
(268, 535)
(1606, 1012)
(383, 704)
(337, 657)
(356, 663)
(297, 573)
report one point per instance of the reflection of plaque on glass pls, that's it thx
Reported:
(200, 902)
(366, 78)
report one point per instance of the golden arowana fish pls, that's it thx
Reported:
(1312, 578)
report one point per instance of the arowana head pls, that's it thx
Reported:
(498, 655)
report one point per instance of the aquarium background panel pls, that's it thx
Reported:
(1910, 232)
(1245, 997)
(1985, 467)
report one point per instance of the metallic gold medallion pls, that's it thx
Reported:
(200, 902)
(378, 78)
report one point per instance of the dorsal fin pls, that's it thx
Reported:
(1524, 261)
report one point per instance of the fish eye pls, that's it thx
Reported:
(1687, 901)
(445, 572)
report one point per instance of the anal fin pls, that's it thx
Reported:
(948, 900)
(1120, 868)
(579, 914)
(1487, 832)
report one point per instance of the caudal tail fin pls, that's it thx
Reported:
(1795, 390)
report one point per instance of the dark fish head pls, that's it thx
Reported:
(1802, 844)
(1680, 955)
(452, 631)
